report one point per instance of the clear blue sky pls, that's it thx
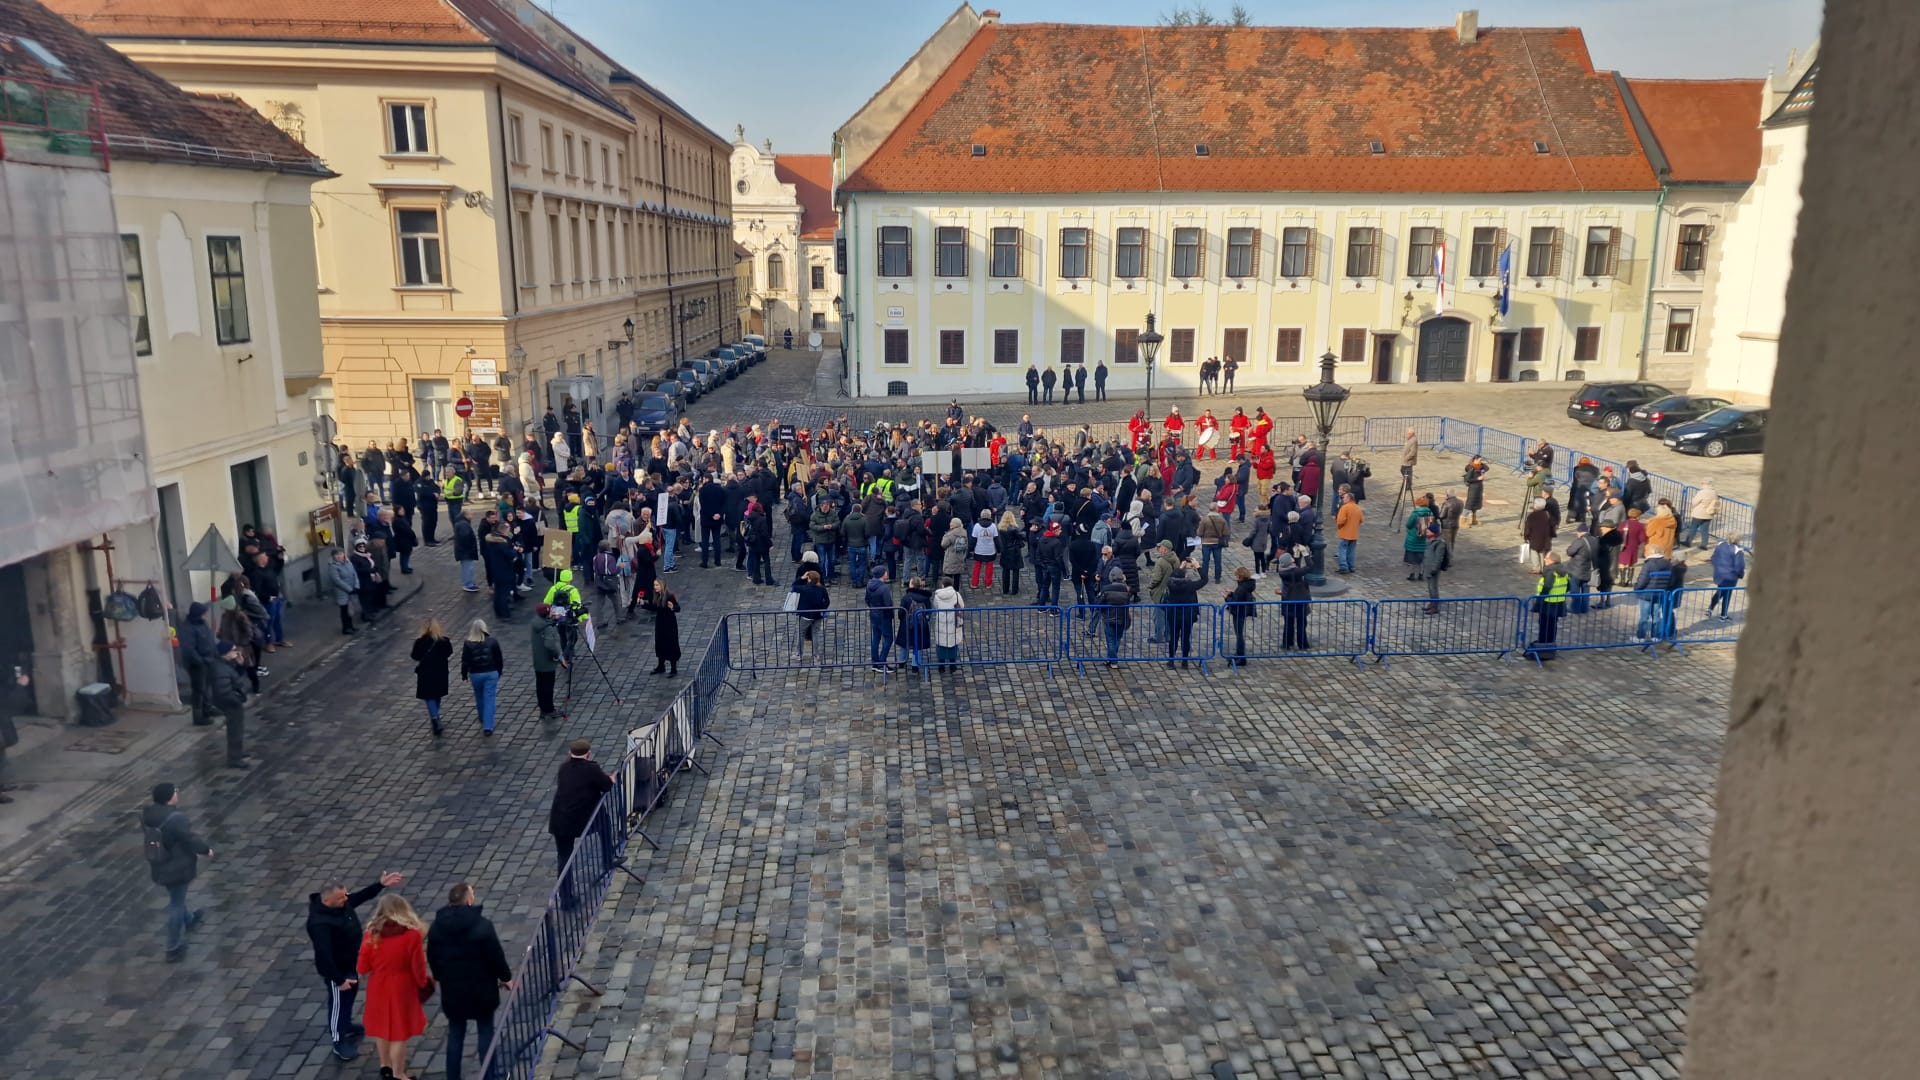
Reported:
(794, 70)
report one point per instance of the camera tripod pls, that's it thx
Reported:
(568, 638)
(1404, 494)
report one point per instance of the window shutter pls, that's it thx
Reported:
(1379, 252)
(1559, 249)
(1680, 250)
(1613, 251)
(1257, 237)
(1313, 253)
(1353, 344)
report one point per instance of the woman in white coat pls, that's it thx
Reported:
(947, 635)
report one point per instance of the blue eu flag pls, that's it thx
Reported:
(1506, 278)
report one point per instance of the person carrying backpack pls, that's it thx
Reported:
(173, 852)
(606, 580)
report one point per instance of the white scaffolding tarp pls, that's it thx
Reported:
(72, 445)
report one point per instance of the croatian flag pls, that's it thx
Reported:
(1506, 279)
(1440, 275)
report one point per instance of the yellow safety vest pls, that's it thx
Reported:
(454, 488)
(561, 588)
(572, 517)
(1553, 589)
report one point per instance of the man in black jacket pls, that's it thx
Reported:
(227, 689)
(575, 796)
(198, 655)
(466, 959)
(173, 852)
(334, 928)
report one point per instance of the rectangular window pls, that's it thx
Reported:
(1533, 345)
(1233, 344)
(1186, 253)
(1243, 252)
(1126, 346)
(1692, 256)
(229, 274)
(953, 347)
(554, 258)
(516, 139)
(817, 277)
(1006, 253)
(523, 224)
(546, 147)
(1363, 251)
(1603, 252)
(1353, 343)
(1130, 253)
(896, 251)
(407, 127)
(819, 320)
(586, 160)
(573, 245)
(419, 232)
(606, 164)
(1484, 260)
(1073, 346)
(1679, 330)
(136, 296)
(593, 253)
(1421, 243)
(1073, 253)
(1296, 252)
(1586, 344)
(1006, 346)
(1543, 252)
(1286, 345)
(894, 348)
(1180, 342)
(951, 251)
(620, 169)
(566, 145)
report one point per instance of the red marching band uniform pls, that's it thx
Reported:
(1174, 425)
(1208, 445)
(1239, 425)
(1139, 430)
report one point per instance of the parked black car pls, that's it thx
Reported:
(1607, 405)
(691, 381)
(1655, 417)
(655, 412)
(667, 384)
(1732, 430)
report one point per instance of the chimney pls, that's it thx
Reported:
(1466, 26)
(989, 17)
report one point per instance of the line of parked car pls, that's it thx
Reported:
(1687, 423)
(660, 400)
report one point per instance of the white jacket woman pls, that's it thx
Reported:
(947, 603)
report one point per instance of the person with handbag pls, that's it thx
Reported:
(465, 957)
(393, 961)
(334, 928)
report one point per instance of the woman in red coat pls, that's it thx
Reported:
(393, 967)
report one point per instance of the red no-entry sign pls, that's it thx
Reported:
(463, 408)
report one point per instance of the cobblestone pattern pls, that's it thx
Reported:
(349, 784)
(1451, 868)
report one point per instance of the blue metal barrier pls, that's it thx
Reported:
(1259, 631)
(1734, 521)
(1390, 432)
(525, 1021)
(1697, 620)
(1459, 436)
(1665, 487)
(783, 641)
(1503, 449)
(994, 635)
(1132, 641)
(1463, 626)
(1616, 626)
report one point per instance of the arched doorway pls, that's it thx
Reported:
(1443, 350)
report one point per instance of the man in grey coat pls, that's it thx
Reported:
(1436, 559)
(1581, 555)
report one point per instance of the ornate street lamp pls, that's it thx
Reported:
(1149, 346)
(1325, 399)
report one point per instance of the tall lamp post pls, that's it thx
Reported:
(1325, 399)
(1149, 344)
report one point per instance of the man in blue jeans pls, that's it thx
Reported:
(464, 954)
(173, 853)
(880, 614)
(1651, 585)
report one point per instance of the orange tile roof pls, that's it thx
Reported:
(812, 178)
(1068, 108)
(145, 117)
(1708, 130)
(413, 22)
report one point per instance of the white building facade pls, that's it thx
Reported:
(783, 216)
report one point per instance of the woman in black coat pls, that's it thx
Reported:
(1012, 546)
(666, 629)
(432, 652)
(1240, 603)
(372, 588)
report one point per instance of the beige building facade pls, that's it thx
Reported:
(507, 200)
(1751, 290)
(784, 218)
(1315, 221)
